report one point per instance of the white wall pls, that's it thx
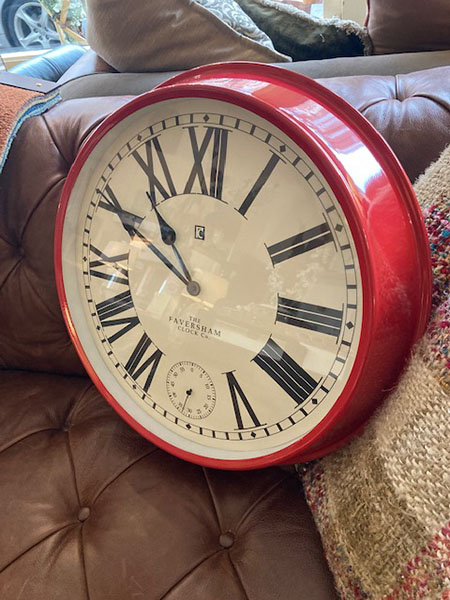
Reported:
(346, 9)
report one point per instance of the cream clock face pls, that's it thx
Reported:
(212, 278)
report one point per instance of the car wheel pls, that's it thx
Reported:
(30, 26)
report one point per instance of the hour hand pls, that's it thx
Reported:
(168, 234)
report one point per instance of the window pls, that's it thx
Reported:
(313, 7)
(35, 25)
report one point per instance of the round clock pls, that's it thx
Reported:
(242, 266)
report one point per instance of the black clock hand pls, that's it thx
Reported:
(188, 393)
(161, 257)
(128, 219)
(168, 234)
(181, 263)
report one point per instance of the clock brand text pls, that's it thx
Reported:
(193, 326)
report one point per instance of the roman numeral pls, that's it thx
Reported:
(115, 273)
(136, 365)
(264, 176)
(216, 138)
(129, 220)
(310, 316)
(289, 375)
(300, 243)
(116, 305)
(149, 169)
(235, 390)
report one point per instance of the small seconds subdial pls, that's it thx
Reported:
(191, 390)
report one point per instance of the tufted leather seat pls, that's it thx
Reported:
(90, 509)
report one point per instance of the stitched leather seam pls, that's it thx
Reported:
(190, 572)
(216, 511)
(73, 405)
(121, 473)
(27, 436)
(37, 205)
(366, 107)
(72, 464)
(439, 101)
(33, 287)
(258, 501)
(37, 544)
(238, 577)
(83, 562)
(4, 240)
(13, 269)
(50, 132)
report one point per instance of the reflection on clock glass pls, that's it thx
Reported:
(220, 297)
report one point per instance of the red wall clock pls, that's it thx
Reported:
(242, 266)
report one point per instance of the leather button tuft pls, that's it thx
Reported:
(84, 513)
(226, 540)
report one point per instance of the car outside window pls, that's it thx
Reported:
(40, 24)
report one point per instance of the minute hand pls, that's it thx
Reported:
(161, 257)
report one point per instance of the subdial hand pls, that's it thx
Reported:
(188, 394)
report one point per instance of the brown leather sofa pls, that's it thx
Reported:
(90, 510)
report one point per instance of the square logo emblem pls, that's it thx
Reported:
(199, 232)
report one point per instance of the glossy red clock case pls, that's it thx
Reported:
(379, 205)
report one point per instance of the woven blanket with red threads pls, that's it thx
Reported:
(382, 504)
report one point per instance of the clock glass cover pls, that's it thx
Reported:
(219, 299)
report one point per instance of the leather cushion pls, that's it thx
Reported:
(411, 26)
(87, 64)
(33, 335)
(411, 111)
(51, 65)
(92, 510)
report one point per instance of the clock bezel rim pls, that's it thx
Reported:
(337, 183)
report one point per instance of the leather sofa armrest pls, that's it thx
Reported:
(51, 65)
(25, 82)
(86, 65)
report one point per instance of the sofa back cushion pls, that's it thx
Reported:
(412, 26)
(169, 35)
(303, 36)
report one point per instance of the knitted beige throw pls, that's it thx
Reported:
(382, 504)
